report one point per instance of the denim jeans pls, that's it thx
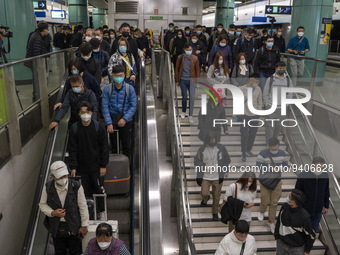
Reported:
(263, 79)
(315, 220)
(187, 85)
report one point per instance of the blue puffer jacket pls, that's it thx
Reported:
(113, 104)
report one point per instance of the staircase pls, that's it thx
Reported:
(207, 233)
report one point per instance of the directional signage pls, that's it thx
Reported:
(276, 9)
(259, 19)
(156, 17)
(40, 5)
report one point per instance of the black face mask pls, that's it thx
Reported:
(125, 34)
(212, 144)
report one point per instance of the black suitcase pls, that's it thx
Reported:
(117, 178)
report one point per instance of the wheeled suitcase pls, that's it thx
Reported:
(117, 177)
(94, 223)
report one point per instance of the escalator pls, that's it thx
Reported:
(132, 211)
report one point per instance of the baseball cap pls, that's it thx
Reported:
(58, 169)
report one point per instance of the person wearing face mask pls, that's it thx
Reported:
(125, 58)
(106, 36)
(265, 60)
(248, 132)
(237, 242)
(315, 185)
(103, 58)
(218, 73)
(111, 38)
(279, 41)
(246, 191)
(78, 36)
(171, 33)
(125, 32)
(74, 96)
(177, 46)
(298, 45)
(204, 32)
(75, 66)
(200, 35)
(66, 220)
(198, 49)
(242, 71)
(293, 231)
(209, 156)
(88, 61)
(280, 79)
(223, 48)
(105, 243)
(104, 45)
(270, 180)
(57, 37)
(66, 38)
(119, 103)
(89, 34)
(186, 73)
(142, 41)
(246, 44)
(264, 37)
(215, 36)
(187, 33)
(231, 34)
(89, 153)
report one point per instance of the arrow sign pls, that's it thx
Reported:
(278, 9)
(40, 5)
(269, 9)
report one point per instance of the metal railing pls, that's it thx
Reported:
(174, 140)
(29, 88)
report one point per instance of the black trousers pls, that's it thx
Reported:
(125, 134)
(72, 243)
(248, 133)
(93, 184)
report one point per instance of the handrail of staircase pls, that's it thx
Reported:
(172, 97)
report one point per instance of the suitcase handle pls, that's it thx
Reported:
(95, 207)
(118, 142)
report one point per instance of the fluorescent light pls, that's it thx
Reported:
(238, 2)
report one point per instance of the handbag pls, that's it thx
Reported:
(270, 181)
(224, 208)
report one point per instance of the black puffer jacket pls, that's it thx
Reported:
(35, 45)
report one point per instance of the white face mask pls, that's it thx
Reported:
(220, 62)
(301, 34)
(194, 40)
(86, 57)
(219, 29)
(96, 50)
(242, 61)
(287, 199)
(98, 37)
(104, 245)
(279, 33)
(112, 36)
(85, 117)
(87, 38)
(62, 182)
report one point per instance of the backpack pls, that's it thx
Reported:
(75, 127)
(242, 44)
(271, 81)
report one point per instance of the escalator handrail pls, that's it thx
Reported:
(180, 156)
(43, 175)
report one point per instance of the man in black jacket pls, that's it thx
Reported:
(315, 185)
(279, 41)
(89, 153)
(171, 33)
(211, 163)
(293, 230)
(142, 41)
(36, 45)
(78, 36)
(104, 45)
(246, 44)
(265, 61)
(90, 64)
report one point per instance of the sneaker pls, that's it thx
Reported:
(271, 227)
(249, 154)
(260, 216)
(183, 115)
(191, 120)
(101, 216)
(215, 217)
(244, 158)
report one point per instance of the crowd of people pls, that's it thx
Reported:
(101, 92)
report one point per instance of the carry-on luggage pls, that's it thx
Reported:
(94, 223)
(117, 177)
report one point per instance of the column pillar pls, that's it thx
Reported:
(309, 14)
(78, 12)
(99, 17)
(224, 12)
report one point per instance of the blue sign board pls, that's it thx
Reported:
(259, 19)
(40, 14)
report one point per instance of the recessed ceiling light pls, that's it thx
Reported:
(238, 2)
